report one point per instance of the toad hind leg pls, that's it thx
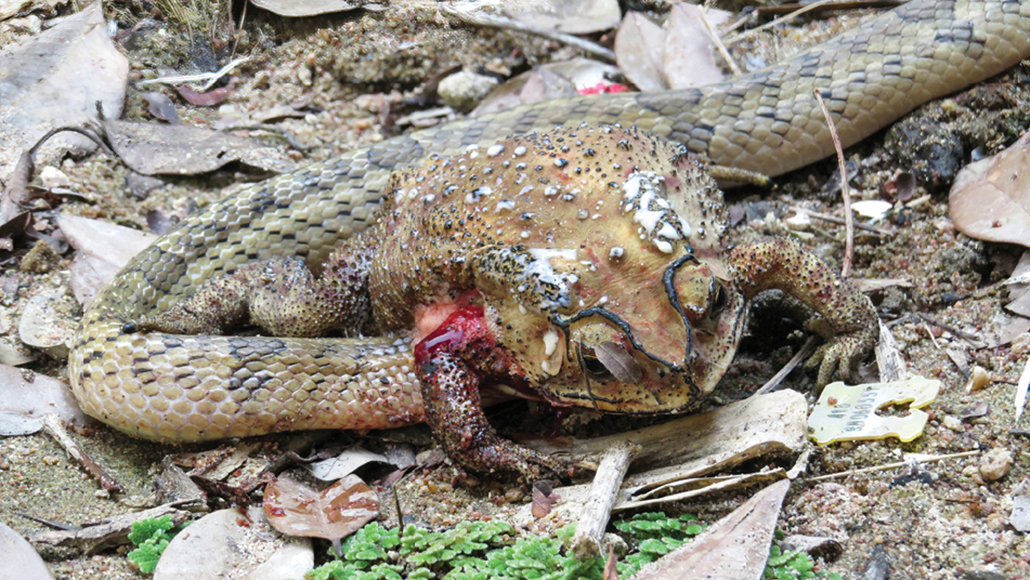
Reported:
(450, 364)
(281, 296)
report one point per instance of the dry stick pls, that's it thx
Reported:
(802, 354)
(836, 220)
(53, 426)
(481, 18)
(896, 465)
(849, 225)
(781, 20)
(718, 44)
(598, 509)
(239, 29)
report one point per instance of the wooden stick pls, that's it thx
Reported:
(598, 509)
(53, 426)
(849, 225)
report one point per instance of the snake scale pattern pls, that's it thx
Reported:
(190, 388)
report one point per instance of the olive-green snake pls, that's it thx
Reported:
(188, 388)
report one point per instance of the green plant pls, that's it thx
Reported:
(151, 537)
(793, 565)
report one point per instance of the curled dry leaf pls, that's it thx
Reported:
(990, 199)
(336, 512)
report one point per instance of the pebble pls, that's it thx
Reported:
(954, 423)
(996, 464)
(464, 90)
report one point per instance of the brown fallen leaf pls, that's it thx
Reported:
(160, 106)
(688, 55)
(313, 7)
(336, 512)
(639, 52)
(990, 199)
(55, 80)
(150, 148)
(729, 547)
(569, 16)
(549, 81)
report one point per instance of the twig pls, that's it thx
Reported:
(840, 221)
(1021, 388)
(719, 45)
(53, 426)
(899, 464)
(210, 77)
(481, 18)
(845, 191)
(598, 509)
(929, 333)
(781, 20)
(802, 354)
(969, 337)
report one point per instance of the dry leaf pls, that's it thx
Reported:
(571, 16)
(550, 81)
(33, 395)
(336, 512)
(55, 80)
(311, 7)
(343, 464)
(688, 55)
(160, 106)
(990, 199)
(151, 148)
(639, 52)
(730, 547)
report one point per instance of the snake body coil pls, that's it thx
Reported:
(188, 388)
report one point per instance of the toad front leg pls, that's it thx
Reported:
(783, 263)
(451, 363)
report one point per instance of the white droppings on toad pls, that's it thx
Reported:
(550, 342)
(653, 212)
(495, 150)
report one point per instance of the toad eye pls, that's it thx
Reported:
(718, 299)
(592, 365)
(609, 360)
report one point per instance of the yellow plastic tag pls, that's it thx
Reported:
(846, 413)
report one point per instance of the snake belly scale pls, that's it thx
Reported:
(190, 388)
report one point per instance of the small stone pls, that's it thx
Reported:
(53, 177)
(996, 464)
(978, 379)
(954, 423)
(464, 90)
(1021, 344)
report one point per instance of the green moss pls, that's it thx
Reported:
(151, 537)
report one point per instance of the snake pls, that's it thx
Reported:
(178, 388)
